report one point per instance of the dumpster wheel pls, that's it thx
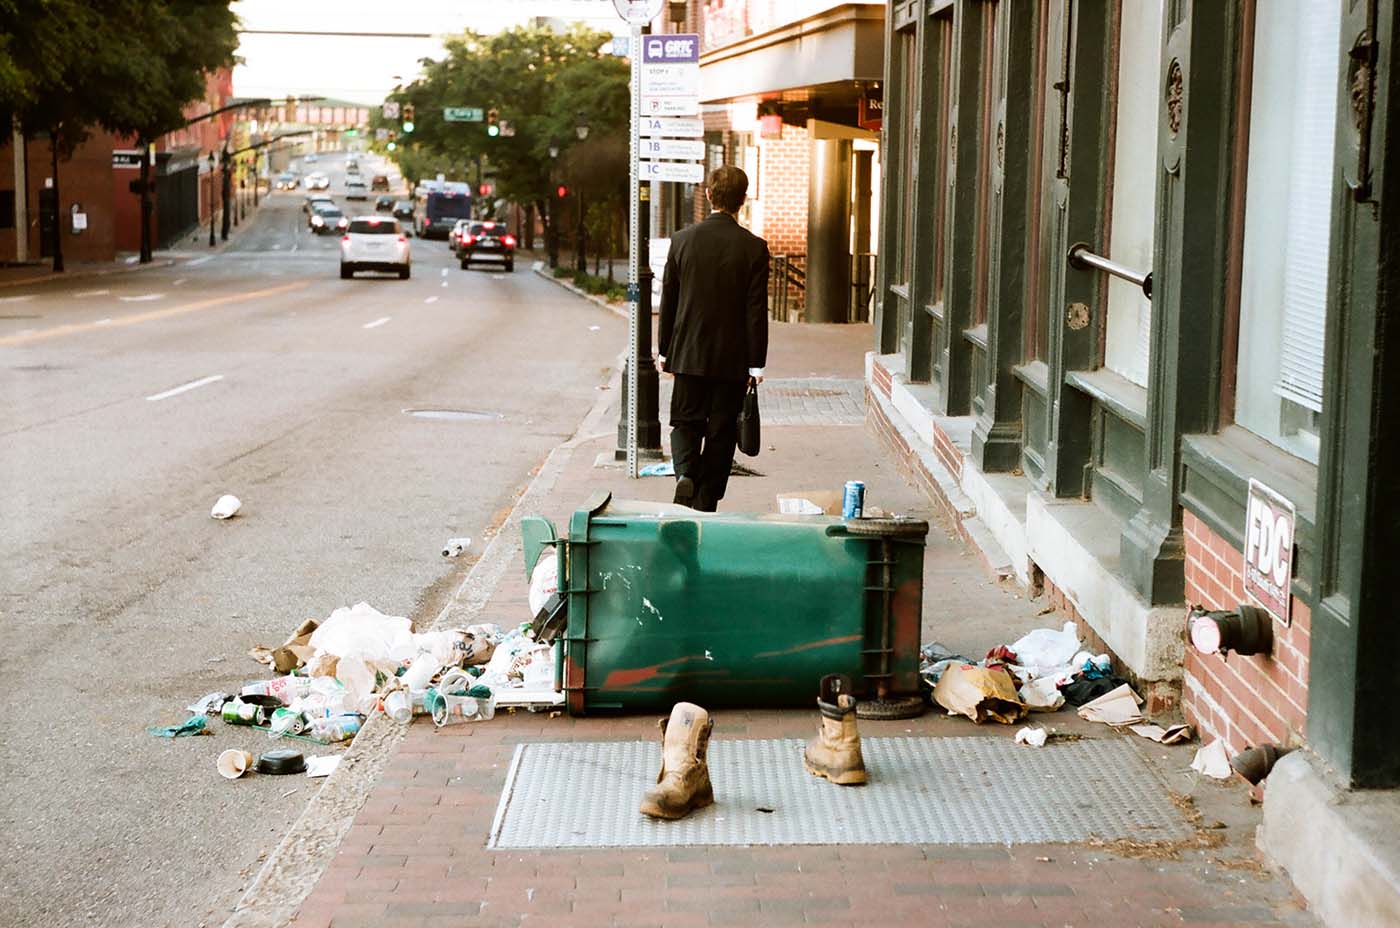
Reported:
(892, 707)
(890, 528)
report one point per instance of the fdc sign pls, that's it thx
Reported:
(1268, 549)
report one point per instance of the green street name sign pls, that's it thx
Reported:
(462, 114)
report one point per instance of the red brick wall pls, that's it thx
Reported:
(1242, 700)
(786, 167)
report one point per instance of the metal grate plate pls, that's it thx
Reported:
(977, 790)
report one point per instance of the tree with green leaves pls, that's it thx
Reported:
(543, 84)
(126, 66)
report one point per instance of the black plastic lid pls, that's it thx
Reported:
(280, 761)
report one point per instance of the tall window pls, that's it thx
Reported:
(1288, 205)
(1134, 186)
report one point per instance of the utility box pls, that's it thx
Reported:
(665, 604)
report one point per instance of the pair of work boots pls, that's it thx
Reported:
(683, 785)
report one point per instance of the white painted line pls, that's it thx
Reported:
(431, 299)
(192, 385)
(444, 272)
(143, 298)
(376, 323)
(107, 321)
(198, 261)
(17, 299)
(444, 283)
(179, 282)
(92, 292)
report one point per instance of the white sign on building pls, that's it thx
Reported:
(1268, 549)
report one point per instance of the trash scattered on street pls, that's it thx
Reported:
(210, 704)
(811, 502)
(1212, 761)
(280, 762)
(321, 765)
(659, 469)
(455, 546)
(194, 725)
(1171, 735)
(226, 507)
(1117, 709)
(1035, 737)
(232, 764)
(980, 693)
(289, 792)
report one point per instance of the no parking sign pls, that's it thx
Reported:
(1268, 549)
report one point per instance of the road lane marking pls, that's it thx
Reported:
(444, 272)
(376, 323)
(17, 299)
(179, 282)
(150, 316)
(107, 321)
(92, 292)
(185, 387)
(198, 261)
(142, 298)
(431, 299)
(444, 283)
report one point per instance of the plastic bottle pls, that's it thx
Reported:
(335, 727)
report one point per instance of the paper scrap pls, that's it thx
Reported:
(1117, 708)
(322, 765)
(1170, 735)
(980, 693)
(1035, 737)
(1211, 761)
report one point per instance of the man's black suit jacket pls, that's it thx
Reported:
(714, 300)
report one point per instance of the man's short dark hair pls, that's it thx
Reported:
(728, 187)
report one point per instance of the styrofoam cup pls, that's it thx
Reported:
(233, 763)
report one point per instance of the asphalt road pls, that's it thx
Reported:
(131, 402)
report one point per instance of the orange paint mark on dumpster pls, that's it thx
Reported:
(629, 677)
(812, 645)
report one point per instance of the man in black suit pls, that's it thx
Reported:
(713, 337)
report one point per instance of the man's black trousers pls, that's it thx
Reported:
(704, 431)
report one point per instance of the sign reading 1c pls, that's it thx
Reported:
(638, 12)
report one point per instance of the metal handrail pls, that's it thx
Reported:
(1081, 259)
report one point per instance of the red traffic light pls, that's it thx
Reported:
(562, 191)
(484, 190)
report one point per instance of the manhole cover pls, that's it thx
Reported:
(454, 415)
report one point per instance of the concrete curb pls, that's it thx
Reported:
(544, 272)
(295, 866)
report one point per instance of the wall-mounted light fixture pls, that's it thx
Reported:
(1244, 630)
(677, 10)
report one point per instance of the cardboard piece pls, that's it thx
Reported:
(1116, 708)
(1211, 761)
(1170, 735)
(980, 693)
(810, 502)
(290, 654)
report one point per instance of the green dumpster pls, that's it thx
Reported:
(731, 609)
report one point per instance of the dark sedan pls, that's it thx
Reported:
(328, 220)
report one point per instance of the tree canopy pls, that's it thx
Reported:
(128, 66)
(544, 84)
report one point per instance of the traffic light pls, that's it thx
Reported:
(562, 191)
(408, 117)
(493, 128)
(484, 190)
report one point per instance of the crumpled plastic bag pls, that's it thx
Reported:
(365, 632)
(1042, 695)
(1045, 650)
(544, 580)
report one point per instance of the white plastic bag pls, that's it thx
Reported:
(1042, 695)
(365, 632)
(544, 580)
(1047, 648)
(1034, 737)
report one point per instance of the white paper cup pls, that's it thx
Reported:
(398, 705)
(233, 764)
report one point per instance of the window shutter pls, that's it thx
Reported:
(1310, 192)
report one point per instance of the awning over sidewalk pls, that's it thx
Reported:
(841, 45)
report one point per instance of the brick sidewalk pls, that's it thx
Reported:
(416, 853)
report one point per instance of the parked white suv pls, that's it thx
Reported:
(374, 243)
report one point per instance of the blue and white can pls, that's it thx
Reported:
(853, 501)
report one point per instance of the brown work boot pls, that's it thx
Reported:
(835, 752)
(683, 784)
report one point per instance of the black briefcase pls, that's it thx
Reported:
(749, 432)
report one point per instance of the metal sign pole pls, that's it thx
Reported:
(634, 292)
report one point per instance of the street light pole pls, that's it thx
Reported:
(211, 199)
(224, 194)
(552, 231)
